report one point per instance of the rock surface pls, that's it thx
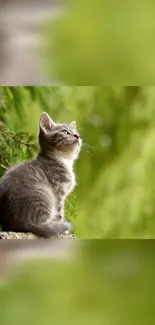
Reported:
(15, 235)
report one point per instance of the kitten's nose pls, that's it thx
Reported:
(76, 136)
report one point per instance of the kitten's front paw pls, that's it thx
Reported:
(68, 227)
(62, 227)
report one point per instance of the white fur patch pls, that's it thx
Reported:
(66, 159)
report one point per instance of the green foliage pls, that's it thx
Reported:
(71, 211)
(15, 147)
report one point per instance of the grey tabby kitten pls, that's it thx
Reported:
(32, 194)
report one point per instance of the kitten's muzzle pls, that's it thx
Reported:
(78, 140)
(76, 136)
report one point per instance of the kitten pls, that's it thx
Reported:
(32, 194)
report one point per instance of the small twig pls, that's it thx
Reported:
(14, 138)
(4, 167)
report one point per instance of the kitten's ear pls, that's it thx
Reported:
(73, 124)
(46, 124)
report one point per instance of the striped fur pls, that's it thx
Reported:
(32, 194)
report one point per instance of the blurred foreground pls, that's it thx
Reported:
(22, 39)
(101, 282)
(77, 42)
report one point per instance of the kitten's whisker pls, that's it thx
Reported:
(85, 150)
(87, 146)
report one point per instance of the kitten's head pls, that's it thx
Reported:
(61, 138)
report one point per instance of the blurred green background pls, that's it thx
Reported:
(115, 196)
(100, 42)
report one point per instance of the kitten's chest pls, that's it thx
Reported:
(64, 185)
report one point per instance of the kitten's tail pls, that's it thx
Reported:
(54, 228)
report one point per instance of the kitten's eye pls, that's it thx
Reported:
(65, 132)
